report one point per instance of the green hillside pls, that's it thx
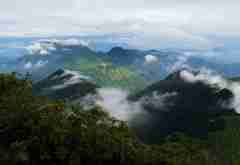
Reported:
(226, 143)
(36, 131)
(106, 74)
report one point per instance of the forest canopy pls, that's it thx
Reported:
(36, 131)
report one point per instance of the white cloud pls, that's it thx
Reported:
(181, 62)
(28, 65)
(156, 23)
(208, 77)
(159, 101)
(72, 41)
(115, 102)
(37, 65)
(75, 78)
(40, 48)
(46, 46)
(150, 59)
(65, 42)
(40, 64)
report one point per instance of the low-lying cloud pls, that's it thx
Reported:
(37, 65)
(46, 46)
(151, 59)
(116, 103)
(210, 78)
(158, 101)
(75, 78)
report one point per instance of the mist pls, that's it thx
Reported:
(115, 102)
(210, 78)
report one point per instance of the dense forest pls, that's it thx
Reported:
(37, 131)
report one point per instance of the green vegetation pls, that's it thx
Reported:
(106, 74)
(53, 87)
(36, 131)
(226, 143)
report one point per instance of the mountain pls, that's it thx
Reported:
(104, 71)
(119, 67)
(189, 122)
(65, 85)
(147, 63)
(175, 106)
(121, 56)
(46, 57)
(157, 64)
(72, 135)
(108, 75)
(51, 55)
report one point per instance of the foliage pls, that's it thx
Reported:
(36, 131)
(106, 74)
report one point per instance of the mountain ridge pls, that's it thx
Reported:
(65, 85)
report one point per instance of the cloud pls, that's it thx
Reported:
(205, 75)
(28, 65)
(40, 48)
(46, 46)
(40, 64)
(37, 65)
(210, 78)
(75, 78)
(181, 62)
(72, 41)
(159, 101)
(115, 102)
(157, 23)
(65, 42)
(150, 59)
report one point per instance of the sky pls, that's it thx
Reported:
(199, 24)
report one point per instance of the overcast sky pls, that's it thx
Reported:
(152, 23)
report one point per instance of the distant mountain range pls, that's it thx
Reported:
(96, 65)
(119, 67)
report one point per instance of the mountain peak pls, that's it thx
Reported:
(117, 49)
(68, 75)
(63, 84)
(177, 74)
(58, 72)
